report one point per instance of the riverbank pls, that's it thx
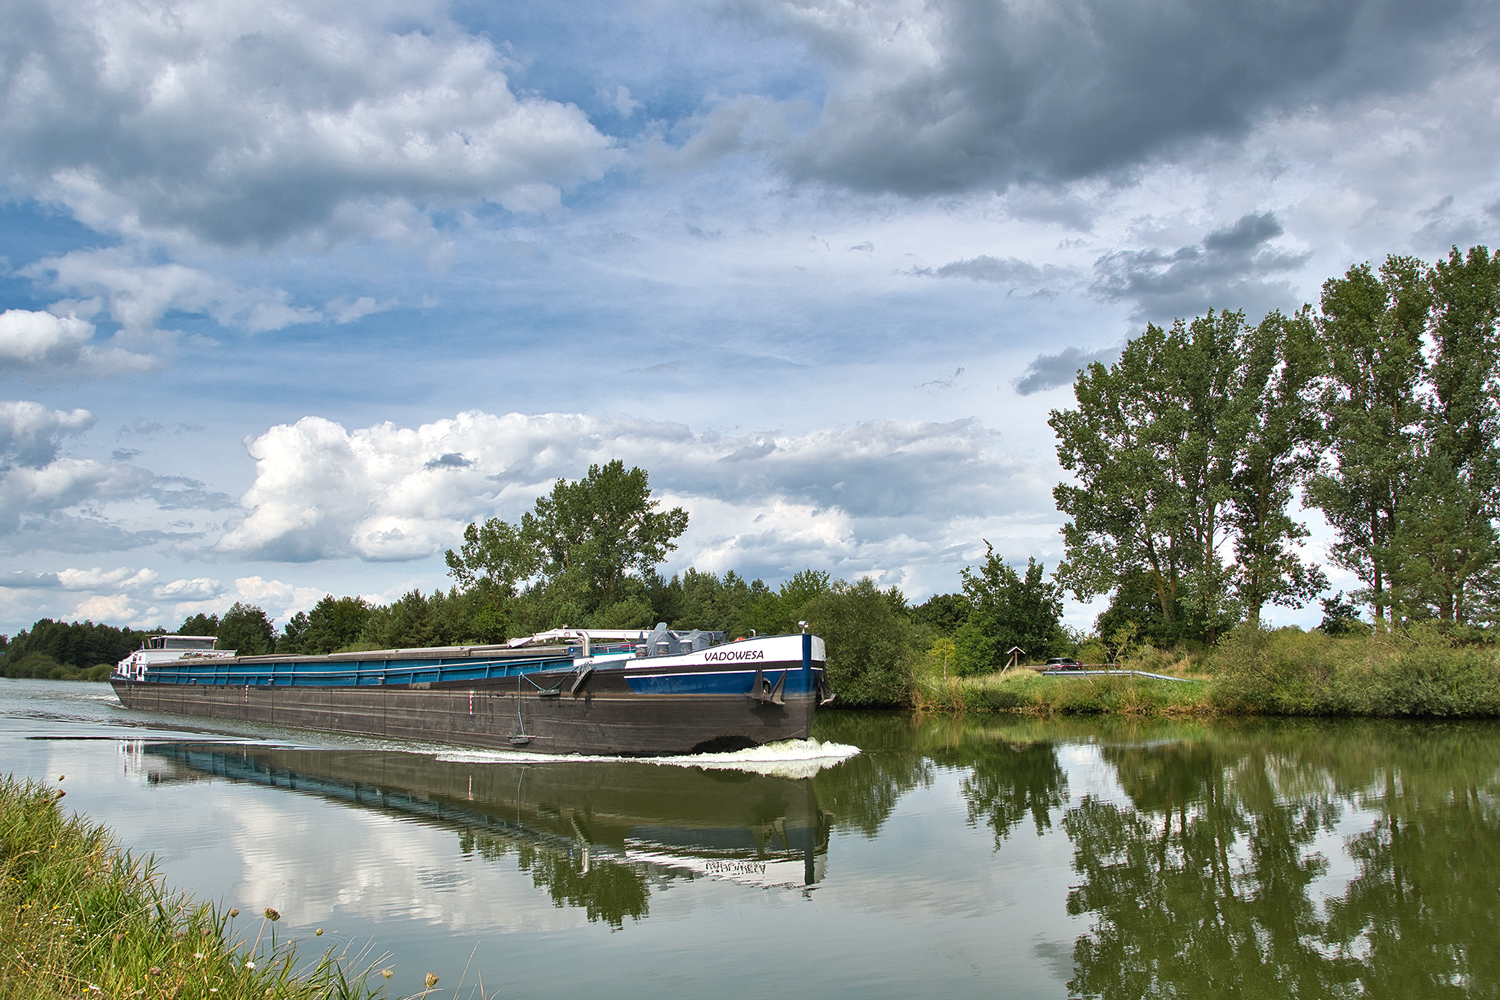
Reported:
(81, 919)
(1285, 672)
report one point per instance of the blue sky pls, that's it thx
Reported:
(293, 291)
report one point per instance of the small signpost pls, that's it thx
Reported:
(1016, 652)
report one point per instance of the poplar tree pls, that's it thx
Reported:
(1446, 547)
(1371, 328)
(1193, 443)
(1275, 424)
(1152, 449)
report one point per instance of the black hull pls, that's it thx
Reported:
(484, 715)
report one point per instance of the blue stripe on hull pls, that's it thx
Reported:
(736, 682)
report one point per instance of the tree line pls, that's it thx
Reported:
(586, 555)
(1379, 410)
(1189, 456)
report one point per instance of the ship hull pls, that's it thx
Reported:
(494, 715)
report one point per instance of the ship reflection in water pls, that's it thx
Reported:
(593, 834)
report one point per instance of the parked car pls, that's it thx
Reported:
(1062, 663)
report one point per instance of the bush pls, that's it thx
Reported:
(1290, 672)
(872, 646)
(31, 665)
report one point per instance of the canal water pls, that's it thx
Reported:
(980, 857)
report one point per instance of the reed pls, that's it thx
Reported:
(81, 919)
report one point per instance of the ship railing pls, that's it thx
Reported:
(294, 673)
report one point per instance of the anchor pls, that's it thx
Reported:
(766, 693)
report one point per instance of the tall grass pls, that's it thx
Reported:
(80, 919)
(1415, 673)
(1411, 674)
(1027, 692)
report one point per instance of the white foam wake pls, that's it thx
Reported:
(786, 759)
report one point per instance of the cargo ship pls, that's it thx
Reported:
(565, 691)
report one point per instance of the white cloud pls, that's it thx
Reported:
(31, 434)
(97, 579)
(884, 494)
(138, 293)
(199, 588)
(234, 123)
(59, 345)
(341, 310)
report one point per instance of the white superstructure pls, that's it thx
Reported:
(165, 648)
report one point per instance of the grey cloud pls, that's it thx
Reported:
(181, 493)
(882, 469)
(750, 452)
(999, 92)
(1226, 270)
(142, 427)
(1012, 272)
(449, 460)
(1048, 371)
(31, 581)
(1446, 228)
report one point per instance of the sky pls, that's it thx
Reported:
(291, 292)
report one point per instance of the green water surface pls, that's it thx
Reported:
(954, 858)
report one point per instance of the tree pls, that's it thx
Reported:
(943, 612)
(1371, 328)
(872, 648)
(1275, 422)
(1445, 550)
(1341, 617)
(333, 623)
(200, 624)
(1196, 439)
(601, 528)
(1151, 444)
(246, 629)
(1008, 610)
(779, 611)
(76, 645)
(579, 545)
(494, 555)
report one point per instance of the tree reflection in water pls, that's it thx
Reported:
(862, 792)
(1206, 883)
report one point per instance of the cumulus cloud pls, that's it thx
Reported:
(59, 345)
(237, 124)
(962, 94)
(1048, 371)
(391, 493)
(1227, 269)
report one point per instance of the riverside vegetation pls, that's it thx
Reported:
(81, 919)
(1380, 409)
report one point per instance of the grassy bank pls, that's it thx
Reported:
(1285, 672)
(80, 919)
